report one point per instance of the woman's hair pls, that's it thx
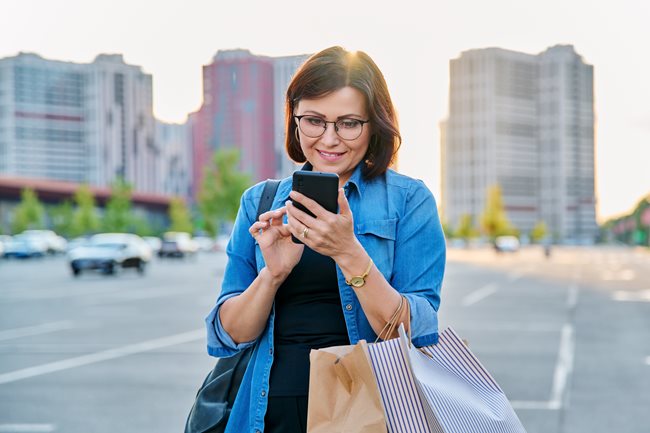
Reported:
(333, 69)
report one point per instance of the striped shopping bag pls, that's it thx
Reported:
(439, 389)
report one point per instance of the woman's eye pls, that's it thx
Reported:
(315, 121)
(348, 123)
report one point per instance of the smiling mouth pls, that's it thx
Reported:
(330, 155)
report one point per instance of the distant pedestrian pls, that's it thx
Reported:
(345, 282)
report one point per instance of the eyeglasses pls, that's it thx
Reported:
(346, 128)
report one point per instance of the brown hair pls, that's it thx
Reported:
(331, 70)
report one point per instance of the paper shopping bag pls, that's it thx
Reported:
(343, 393)
(439, 389)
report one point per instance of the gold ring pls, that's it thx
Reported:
(305, 232)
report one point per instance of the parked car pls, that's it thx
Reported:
(108, 252)
(23, 247)
(177, 244)
(508, 244)
(205, 243)
(77, 242)
(4, 241)
(55, 243)
(154, 242)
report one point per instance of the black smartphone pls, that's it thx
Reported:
(320, 187)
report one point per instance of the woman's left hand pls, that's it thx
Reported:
(329, 234)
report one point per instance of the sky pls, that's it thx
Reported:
(412, 42)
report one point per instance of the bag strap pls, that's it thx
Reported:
(393, 322)
(268, 194)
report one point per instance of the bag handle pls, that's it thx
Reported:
(393, 322)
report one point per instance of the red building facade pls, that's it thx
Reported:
(237, 112)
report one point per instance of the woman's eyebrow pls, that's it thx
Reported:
(340, 117)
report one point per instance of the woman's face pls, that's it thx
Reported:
(329, 152)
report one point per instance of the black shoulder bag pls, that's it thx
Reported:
(215, 398)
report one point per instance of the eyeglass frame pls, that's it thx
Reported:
(336, 129)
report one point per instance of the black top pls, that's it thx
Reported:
(308, 315)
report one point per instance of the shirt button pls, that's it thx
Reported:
(348, 307)
(270, 351)
(263, 393)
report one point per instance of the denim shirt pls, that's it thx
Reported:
(395, 220)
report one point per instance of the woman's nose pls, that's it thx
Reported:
(330, 135)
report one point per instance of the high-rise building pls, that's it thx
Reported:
(237, 112)
(525, 123)
(44, 119)
(121, 123)
(86, 123)
(175, 161)
(283, 70)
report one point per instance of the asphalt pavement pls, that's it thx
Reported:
(566, 337)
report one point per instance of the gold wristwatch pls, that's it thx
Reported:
(359, 281)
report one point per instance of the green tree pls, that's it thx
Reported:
(139, 225)
(221, 190)
(29, 213)
(494, 220)
(538, 232)
(466, 229)
(61, 216)
(179, 216)
(117, 216)
(85, 219)
(448, 230)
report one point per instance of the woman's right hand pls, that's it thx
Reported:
(280, 253)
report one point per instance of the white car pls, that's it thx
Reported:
(154, 242)
(108, 252)
(55, 243)
(508, 244)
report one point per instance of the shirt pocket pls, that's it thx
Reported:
(378, 238)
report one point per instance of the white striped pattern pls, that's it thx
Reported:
(439, 389)
(405, 412)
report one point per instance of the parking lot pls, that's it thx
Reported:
(568, 339)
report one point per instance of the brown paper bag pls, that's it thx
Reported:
(343, 392)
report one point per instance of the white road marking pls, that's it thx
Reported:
(35, 330)
(16, 428)
(479, 294)
(105, 355)
(563, 370)
(564, 366)
(618, 275)
(631, 296)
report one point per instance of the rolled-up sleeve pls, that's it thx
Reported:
(419, 266)
(241, 270)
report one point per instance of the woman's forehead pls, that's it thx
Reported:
(346, 100)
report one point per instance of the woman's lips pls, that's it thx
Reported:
(330, 156)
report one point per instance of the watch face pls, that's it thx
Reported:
(357, 282)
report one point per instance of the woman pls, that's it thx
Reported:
(287, 298)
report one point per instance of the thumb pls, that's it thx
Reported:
(344, 206)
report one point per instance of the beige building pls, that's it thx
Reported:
(526, 123)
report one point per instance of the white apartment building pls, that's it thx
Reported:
(86, 123)
(526, 123)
